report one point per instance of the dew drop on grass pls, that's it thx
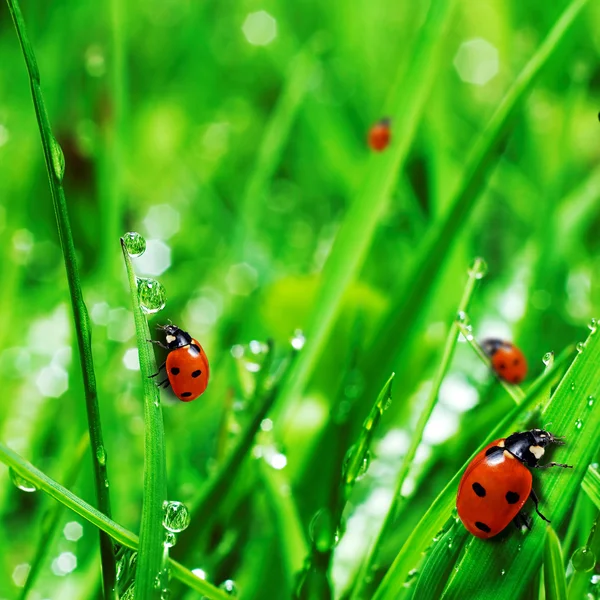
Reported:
(583, 559)
(580, 347)
(170, 539)
(21, 482)
(579, 424)
(478, 268)
(593, 325)
(548, 359)
(298, 340)
(572, 387)
(502, 572)
(229, 587)
(151, 295)
(355, 468)
(58, 159)
(135, 244)
(176, 516)
(322, 530)
(590, 401)
(101, 455)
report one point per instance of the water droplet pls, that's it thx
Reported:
(593, 325)
(355, 467)
(579, 424)
(101, 455)
(322, 530)
(502, 572)
(572, 387)
(583, 559)
(463, 317)
(478, 268)
(151, 295)
(176, 516)
(22, 483)
(580, 347)
(298, 340)
(449, 542)
(170, 539)
(548, 359)
(58, 159)
(464, 323)
(590, 401)
(135, 244)
(165, 594)
(229, 587)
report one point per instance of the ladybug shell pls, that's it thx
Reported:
(509, 363)
(379, 136)
(187, 370)
(492, 491)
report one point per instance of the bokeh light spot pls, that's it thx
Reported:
(260, 28)
(131, 359)
(156, 260)
(73, 531)
(476, 61)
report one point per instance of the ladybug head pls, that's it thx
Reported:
(543, 438)
(175, 337)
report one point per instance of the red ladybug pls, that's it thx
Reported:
(186, 364)
(380, 135)
(507, 360)
(497, 482)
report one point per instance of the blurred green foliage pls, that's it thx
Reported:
(239, 163)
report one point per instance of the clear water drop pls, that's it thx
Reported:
(580, 347)
(229, 587)
(593, 325)
(572, 387)
(548, 359)
(298, 340)
(58, 159)
(151, 295)
(165, 594)
(101, 455)
(170, 539)
(590, 401)
(355, 467)
(322, 530)
(23, 484)
(176, 516)
(503, 572)
(478, 268)
(583, 559)
(463, 317)
(578, 424)
(135, 244)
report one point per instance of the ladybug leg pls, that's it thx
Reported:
(158, 343)
(535, 500)
(553, 464)
(164, 383)
(522, 521)
(159, 370)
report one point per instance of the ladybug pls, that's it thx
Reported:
(186, 365)
(497, 482)
(379, 135)
(507, 360)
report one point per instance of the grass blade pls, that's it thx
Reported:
(555, 582)
(55, 165)
(405, 105)
(92, 515)
(152, 533)
(591, 485)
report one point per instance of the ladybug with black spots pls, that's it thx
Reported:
(498, 482)
(508, 361)
(186, 365)
(380, 135)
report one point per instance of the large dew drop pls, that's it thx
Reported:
(151, 295)
(21, 482)
(583, 559)
(135, 244)
(322, 530)
(176, 517)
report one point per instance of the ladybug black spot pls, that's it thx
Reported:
(491, 450)
(479, 489)
(516, 361)
(186, 394)
(197, 373)
(512, 497)
(516, 379)
(482, 526)
(502, 366)
(175, 371)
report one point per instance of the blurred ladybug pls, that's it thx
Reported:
(507, 360)
(497, 482)
(380, 135)
(186, 365)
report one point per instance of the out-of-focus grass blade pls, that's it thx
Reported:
(555, 582)
(55, 166)
(152, 532)
(437, 516)
(118, 533)
(403, 313)
(495, 568)
(591, 485)
(405, 105)
(583, 562)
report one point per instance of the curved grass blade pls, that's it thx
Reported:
(474, 275)
(555, 582)
(591, 485)
(55, 165)
(402, 317)
(436, 517)
(152, 532)
(405, 105)
(117, 532)
(583, 562)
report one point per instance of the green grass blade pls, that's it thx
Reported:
(591, 485)
(584, 561)
(55, 165)
(405, 105)
(439, 512)
(555, 582)
(402, 316)
(118, 533)
(475, 273)
(152, 532)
